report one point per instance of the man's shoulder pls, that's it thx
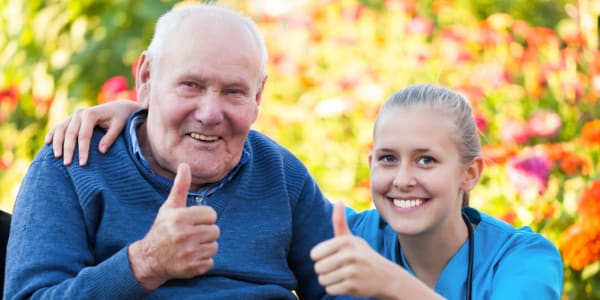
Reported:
(260, 144)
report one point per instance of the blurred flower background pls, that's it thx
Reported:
(531, 70)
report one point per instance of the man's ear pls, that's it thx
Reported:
(261, 88)
(472, 174)
(142, 79)
(258, 96)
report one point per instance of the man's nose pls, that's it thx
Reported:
(209, 110)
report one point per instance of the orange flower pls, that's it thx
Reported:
(510, 216)
(589, 204)
(580, 244)
(497, 154)
(554, 152)
(544, 212)
(590, 133)
(573, 163)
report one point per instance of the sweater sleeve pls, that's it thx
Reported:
(311, 225)
(532, 269)
(50, 254)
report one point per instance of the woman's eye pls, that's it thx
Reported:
(426, 160)
(387, 158)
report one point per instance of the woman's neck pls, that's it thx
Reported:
(429, 253)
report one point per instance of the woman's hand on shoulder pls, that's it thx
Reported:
(78, 129)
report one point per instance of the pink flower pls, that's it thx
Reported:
(529, 173)
(514, 132)
(482, 124)
(544, 124)
(420, 25)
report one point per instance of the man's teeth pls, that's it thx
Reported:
(205, 138)
(407, 203)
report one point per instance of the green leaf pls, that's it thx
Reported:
(590, 270)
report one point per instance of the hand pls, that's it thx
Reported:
(180, 243)
(79, 128)
(346, 264)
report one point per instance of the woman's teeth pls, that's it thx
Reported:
(407, 203)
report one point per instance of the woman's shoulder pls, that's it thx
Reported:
(499, 237)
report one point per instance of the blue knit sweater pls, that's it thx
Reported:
(72, 226)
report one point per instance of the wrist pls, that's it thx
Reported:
(144, 271)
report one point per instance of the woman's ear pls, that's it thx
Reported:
(472, 174)
(142, 79)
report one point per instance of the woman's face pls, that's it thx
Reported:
(417, 178)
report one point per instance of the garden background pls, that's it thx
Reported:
(531, 70)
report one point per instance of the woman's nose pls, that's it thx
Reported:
(404, 178)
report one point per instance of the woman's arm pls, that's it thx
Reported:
(79, 126)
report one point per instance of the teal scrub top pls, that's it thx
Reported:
(508, 263)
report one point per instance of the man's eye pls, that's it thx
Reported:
(234, 91)
(189, 84)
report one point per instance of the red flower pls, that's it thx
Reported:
(114, 88)
(9, 97)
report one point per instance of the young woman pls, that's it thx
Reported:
(423, 241)
(423, 237)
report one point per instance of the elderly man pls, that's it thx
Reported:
(144, 219)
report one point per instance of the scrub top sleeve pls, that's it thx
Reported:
(532, 269)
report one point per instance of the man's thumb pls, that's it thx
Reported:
(181, 186)
(338, 218)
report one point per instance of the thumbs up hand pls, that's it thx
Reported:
(347, 265)
(180, 243)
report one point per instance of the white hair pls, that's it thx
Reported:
(167, 23)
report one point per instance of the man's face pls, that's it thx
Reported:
(203, 100)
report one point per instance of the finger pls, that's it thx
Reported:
(48, 137)
(329, 263)
(58, 136)
(338, 218)
(111, 135)
(332, 277)
(178, 195)
(200, 214)
(327, 248)
(85, 136)
(70, 138)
